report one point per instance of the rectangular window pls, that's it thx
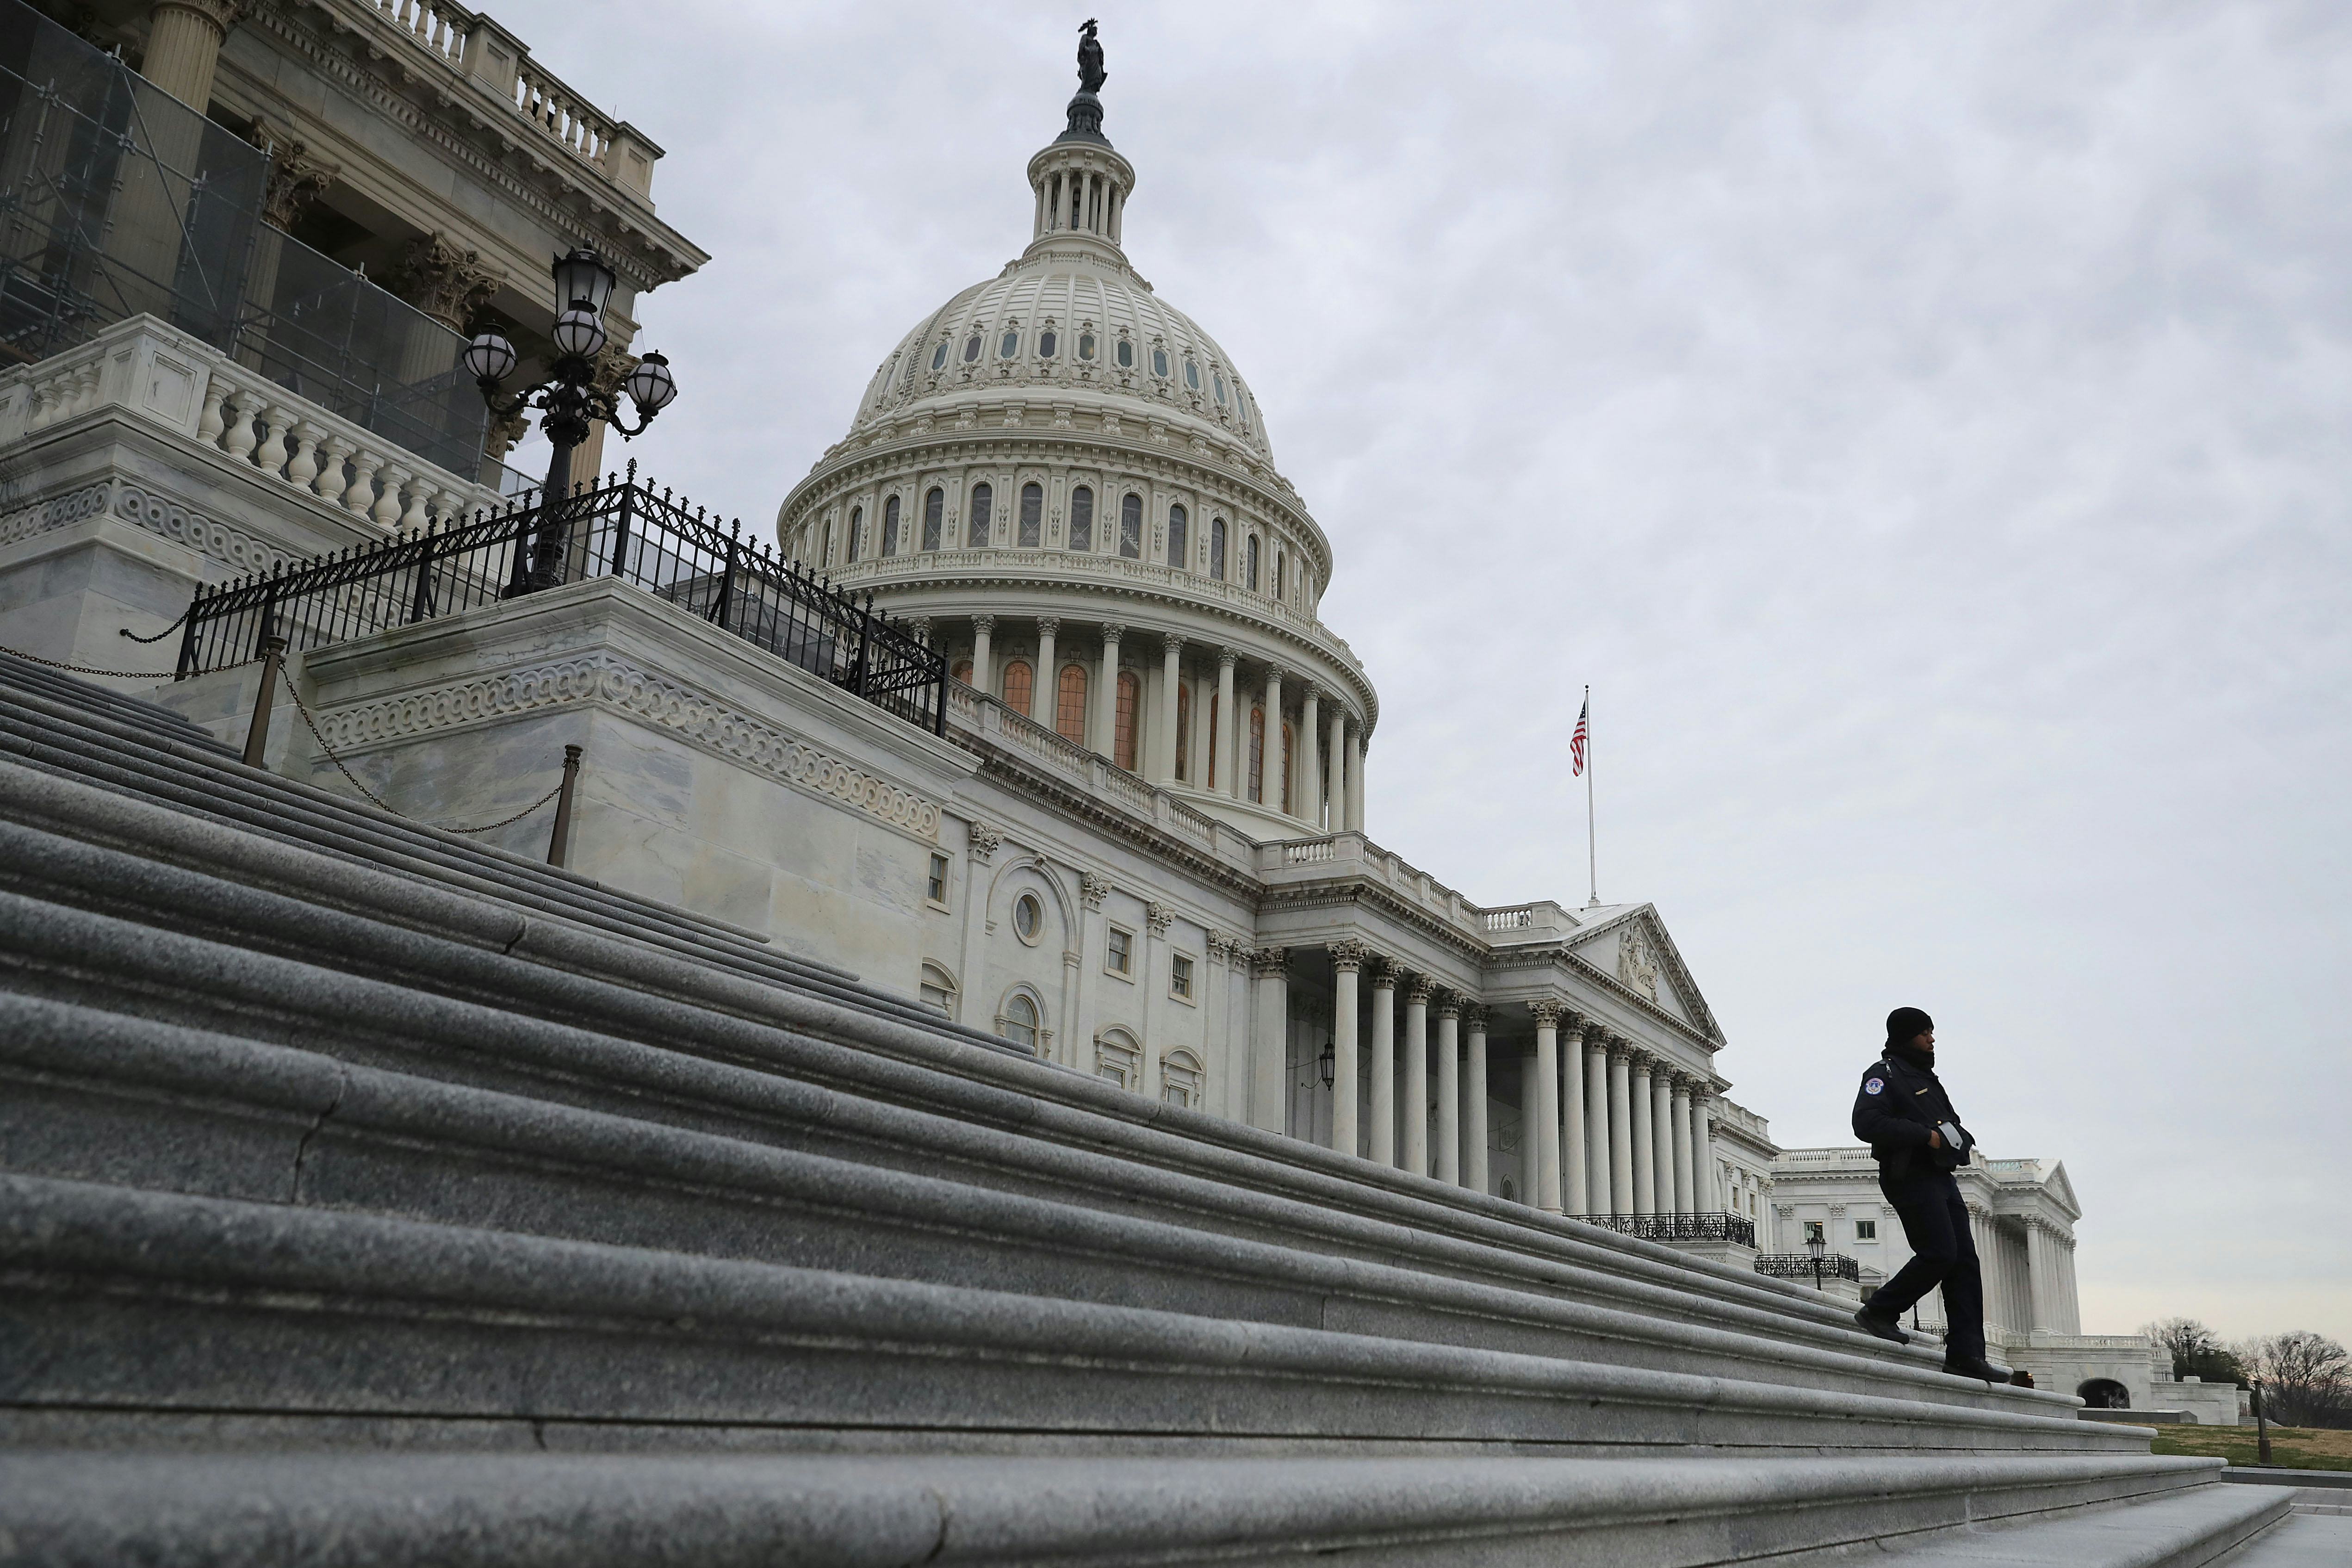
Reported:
(1866, 1230)
(1813, 1231)
(937, 889)
(1180, 977)
(1120, 958)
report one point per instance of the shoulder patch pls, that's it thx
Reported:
(1874, 1086)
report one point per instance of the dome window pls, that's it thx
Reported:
(1046, 343)
(856, 527)
(971, 348)
(1180, 547)
(890, 525)
(1192, 375)
(940, 356)
(1010, 345)
(1219, 382)
(1085, 345)
(1130, 527)
(982, 498)
(1250, 579)
(1082, 519)
(1217, 549)
(1160, 364)
(1126, 355)
(934, 505)
(1033, 511)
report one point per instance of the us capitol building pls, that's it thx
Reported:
(1130, 838)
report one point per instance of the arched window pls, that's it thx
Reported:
(856, 522)
(1032, 514)
(1119, 1059)
(825, 547)
(932, 505)
(1017, 686)
(1250, 580)
(1257, 755)
(934, 990)
(1180, 550)
(1183, 727)
(1179, 1079)
(971, 348)
(1217, 549)
(1046, 343)
(1214, 734)
(982, 496)
(890, 525)
(1281, 562)
(1019, 1023)
(1082, 519)
(1070, 705)
(1284, 763)
(1130, 527)
(962, 671)
(1130, 694)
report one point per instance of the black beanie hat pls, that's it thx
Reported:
(1904, 1025)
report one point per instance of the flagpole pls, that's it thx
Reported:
(1591, 850)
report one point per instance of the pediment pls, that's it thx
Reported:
(1632, 948)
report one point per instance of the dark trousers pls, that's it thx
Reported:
(1943, 1252)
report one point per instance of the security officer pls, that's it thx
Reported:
(1903, 1114)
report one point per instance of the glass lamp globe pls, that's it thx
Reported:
(579, 333)
(489, 357)
(651, 386)
(1816, 1245)
(582, 278)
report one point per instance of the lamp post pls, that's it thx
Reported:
(567, 396)
(1816, 1245)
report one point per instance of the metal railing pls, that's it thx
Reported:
(622, 530)
(1736, 1228)
(1800, 1266)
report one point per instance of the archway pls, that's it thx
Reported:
(2105, 1393)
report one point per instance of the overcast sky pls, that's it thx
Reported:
(1922, 425)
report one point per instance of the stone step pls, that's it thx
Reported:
(784, 1091)
(174, 1306)
(149, 718)
(724, 1510)
(101, 1097)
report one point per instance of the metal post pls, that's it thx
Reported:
(2262, 1425)
(621, 529)
(558, 842)
(421, 602)
(726, 582)
(864, 642)
(188, 638)
(256, 738)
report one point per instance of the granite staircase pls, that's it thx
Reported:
(368, 1195)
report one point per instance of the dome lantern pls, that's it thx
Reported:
(1080, 181)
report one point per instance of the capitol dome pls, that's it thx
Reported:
(1068, 485)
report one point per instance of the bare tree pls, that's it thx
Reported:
(2186, 1339)
(2306, 1378)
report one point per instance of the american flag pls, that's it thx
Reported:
(1576, 742)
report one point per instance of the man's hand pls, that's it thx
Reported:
(1934, 1139)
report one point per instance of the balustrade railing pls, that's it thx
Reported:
(439, 30)
(1736, 1227)
(1800, 1266)
(555, 108)
(623, 530)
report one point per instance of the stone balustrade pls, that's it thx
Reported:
(555, 108)
(983, 716)
(439, 29)
(165, 378)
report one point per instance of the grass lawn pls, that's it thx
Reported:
(2292, 1448)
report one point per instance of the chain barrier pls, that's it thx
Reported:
(304, 709)
(166, 631)
(117, 675)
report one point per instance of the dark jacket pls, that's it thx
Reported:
(1899, 1104)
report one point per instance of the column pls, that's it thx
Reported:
(1530, 1146)
(983, 674)
(1337, 797)
(1229, 766)
(1645, 1163)
(1662, 1141)
(1474, 1173)
(1270, 774)
(1356, 782)
(1383, 1130)
(1546, 1099)
(1046, 689)
(1079, 964)
(1416, 1074)
(1685, 1193)
(1269, 1054)
(2039, 1276)
(1163, 749)
(981, 841)
(1620, 1145)
(1449, 1089)
(1576, 1178)
(184, 45)
(1347, 959)
(1103, 735)
(1596, 1121)
(1704, 1199)
(1310, 797)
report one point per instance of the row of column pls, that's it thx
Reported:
(1323, 729)
(1606, 1129)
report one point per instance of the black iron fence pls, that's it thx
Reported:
(622, 530)
(1800, 1266)
(1678, 1227)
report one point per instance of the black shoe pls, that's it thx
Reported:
(1887, 1329)
(1975, 1366)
